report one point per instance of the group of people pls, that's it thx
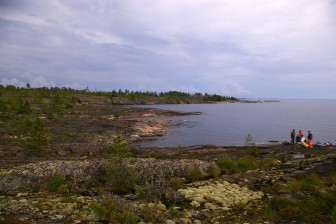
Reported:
(299, 138)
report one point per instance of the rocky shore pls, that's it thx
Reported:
(208, 198)
(93, 171)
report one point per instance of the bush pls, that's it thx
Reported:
(38, 136)
(214, 171)
(119, 148)
(281, 208)
(118, 177)
(179, 150)
(177, 182)
(150, 214)
(310, 182)
(228, 165)
(55, 182)
(195, 175)
(253, 151)
(269, 164)
(23, 106)
(315, 208)
(114, 211)
(153, 190)
(245, 164)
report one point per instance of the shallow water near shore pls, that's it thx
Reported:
(230, 123)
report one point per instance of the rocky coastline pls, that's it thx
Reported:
(86, 175)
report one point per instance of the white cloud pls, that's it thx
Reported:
(74, 85)
(13, 82)
(37, 81)
(22, 18)
(98, 37)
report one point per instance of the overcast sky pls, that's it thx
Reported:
(242, 48)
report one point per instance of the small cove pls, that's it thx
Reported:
(230, 123)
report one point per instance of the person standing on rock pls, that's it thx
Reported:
(310, 138)
(300, 134)
(292, 136)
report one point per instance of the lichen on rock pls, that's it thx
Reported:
(219, 195)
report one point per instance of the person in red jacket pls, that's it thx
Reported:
(300, 134)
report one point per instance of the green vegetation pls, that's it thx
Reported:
(13, 220)
(230, 166)
(119, 148)
(269, 163)
(177, 182)
(317, 206)
(114, 211)
(37, 135)
(118, 177)
(195, 175)
(59, 102)
(55, 182)
(310, 182)
(39, 120)
(214, 171)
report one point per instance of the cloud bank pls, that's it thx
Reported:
(243, 48)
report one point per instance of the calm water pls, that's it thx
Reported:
(230, 123)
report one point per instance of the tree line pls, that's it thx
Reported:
(57, 93)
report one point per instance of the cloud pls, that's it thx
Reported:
(248, 48)
(98, 37)
(13, 82)
(37, 81)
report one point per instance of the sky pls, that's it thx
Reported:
(265, 49)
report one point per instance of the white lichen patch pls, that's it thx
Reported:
(219, 195)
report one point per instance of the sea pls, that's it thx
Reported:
(230, 124)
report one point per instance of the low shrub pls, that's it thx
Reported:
(319, 207)
(214, 171)
(177, 182)
(280, 208)
(269, 164)
(153, 190)
(149, 213)
(253, 151)
(179, 151)
(119, 148)
(310, 182)
(54, 183)
(195, 175)
(228, 165)
(23, 106)
(114, 211)
(13, 220)
(245, 164)
(118, 177)
(38, 135)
